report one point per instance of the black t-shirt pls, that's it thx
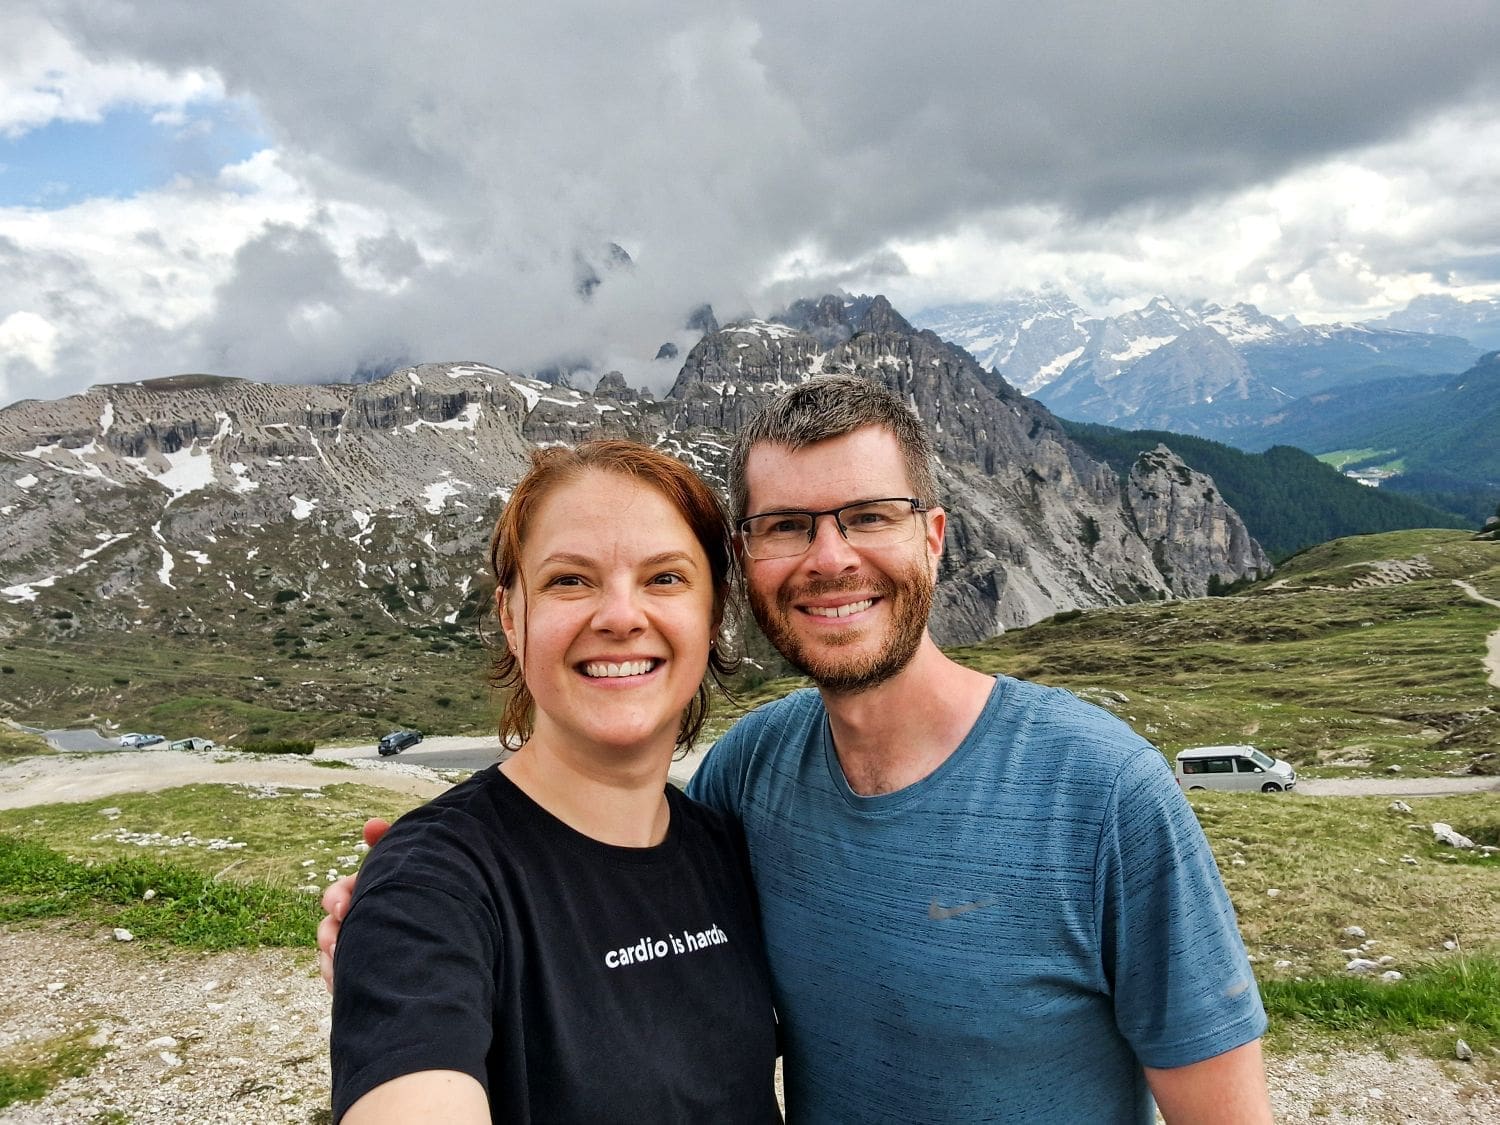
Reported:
(576, 981)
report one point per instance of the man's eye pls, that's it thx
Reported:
(791, 525)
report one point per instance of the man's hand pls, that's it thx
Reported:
(336, 900)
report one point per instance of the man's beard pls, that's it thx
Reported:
(908, 601)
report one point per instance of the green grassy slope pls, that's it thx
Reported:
(1358, 655)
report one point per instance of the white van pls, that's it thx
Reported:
(1239, 768)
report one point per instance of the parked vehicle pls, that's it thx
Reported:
(138, 740)
(398, 740)
(1236, 768)
(193, 744)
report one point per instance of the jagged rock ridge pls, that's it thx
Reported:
(163, 503)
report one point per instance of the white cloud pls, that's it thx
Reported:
(436, 179)
(45, 78)
(1347, 238)
(29, 338)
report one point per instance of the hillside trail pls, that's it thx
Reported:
(1492, 643)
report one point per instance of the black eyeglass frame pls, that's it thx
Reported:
(917, 508)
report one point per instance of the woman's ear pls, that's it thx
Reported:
(505, 611)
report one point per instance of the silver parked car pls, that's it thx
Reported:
(193, 744)
(1238, 768)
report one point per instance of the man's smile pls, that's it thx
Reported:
(848, 609)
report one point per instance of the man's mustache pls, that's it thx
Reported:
(843, 584)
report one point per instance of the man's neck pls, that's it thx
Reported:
(893, 735)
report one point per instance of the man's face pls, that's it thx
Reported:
(848, 617)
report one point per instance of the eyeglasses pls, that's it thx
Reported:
(868, 523)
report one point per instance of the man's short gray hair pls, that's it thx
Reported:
(831, 406)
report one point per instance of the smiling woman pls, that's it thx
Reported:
(565, 936)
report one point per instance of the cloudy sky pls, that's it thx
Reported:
(303, 191)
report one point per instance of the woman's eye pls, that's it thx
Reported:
(566, 580)
(668, 580)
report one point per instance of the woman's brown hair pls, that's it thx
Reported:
(697, 503)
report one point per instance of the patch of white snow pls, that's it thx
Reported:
(242, 481)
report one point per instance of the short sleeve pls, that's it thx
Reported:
(414, 988)
(710, 784)
(1182, 984)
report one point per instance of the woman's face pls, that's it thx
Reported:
(613, 616)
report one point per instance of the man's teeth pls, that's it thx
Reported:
(600, 670)
(841, 610)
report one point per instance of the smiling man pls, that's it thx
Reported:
(983, 899)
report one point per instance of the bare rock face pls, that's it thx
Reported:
(1035, 525)
(185, 504)
(1197, 540)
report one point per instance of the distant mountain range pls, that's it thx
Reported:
(1196, 368)
(224, 509)
(1401, 397)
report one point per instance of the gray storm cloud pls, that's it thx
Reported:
(719, 143)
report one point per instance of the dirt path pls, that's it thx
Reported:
(1492, 642)
(86, 777)
(1395, 786)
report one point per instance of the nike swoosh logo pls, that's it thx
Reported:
(939, 913)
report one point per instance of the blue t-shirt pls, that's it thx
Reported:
(1009, 939)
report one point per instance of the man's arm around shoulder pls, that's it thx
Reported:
(1227, 1089)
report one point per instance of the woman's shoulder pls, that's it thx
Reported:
(449, 838)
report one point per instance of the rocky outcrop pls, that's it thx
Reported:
(1198, 542)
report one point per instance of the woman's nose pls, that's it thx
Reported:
(620, 611)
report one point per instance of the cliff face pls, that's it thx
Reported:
(1195, 537)
(170, 503)
(1035, 525)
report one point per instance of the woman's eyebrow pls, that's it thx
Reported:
(666, 557)
(568, 558)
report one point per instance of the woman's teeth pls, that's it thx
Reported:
(601, 670)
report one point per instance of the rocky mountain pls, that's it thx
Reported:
(200, 505)
(1030, 339)
(1195, 368)
(1035, 525)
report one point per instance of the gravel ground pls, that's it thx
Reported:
(241, 1037)
(251, 1029)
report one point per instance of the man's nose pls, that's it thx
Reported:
(829, 550)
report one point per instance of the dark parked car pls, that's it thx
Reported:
(399, 740)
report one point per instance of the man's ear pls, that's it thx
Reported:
(937, 525)
(505, 612)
